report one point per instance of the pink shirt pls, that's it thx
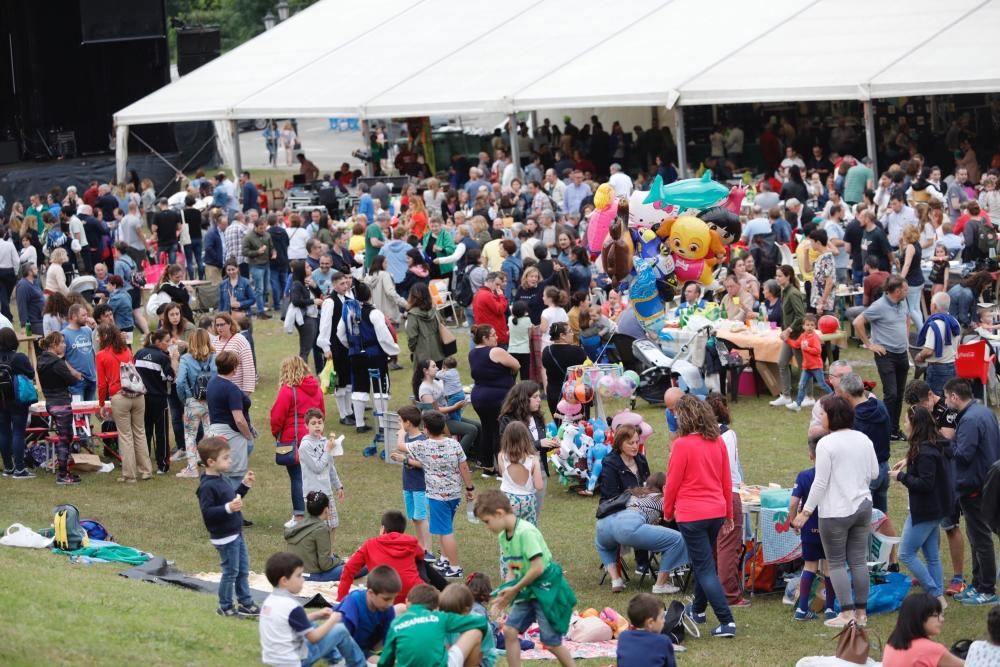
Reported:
(699, 483)
(922, 653)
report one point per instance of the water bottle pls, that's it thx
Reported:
(470, 512)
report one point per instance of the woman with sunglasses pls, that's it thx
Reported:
(227, 339)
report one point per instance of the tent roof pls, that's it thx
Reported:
(390, 58)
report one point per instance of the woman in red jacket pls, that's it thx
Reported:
(489, 306)
(129, 412)
(698, 494)
(298, 391)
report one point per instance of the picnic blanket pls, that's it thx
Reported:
(327, 589)
(102, 551)
(578, 650)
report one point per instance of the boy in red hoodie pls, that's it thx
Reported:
(392, 547)
(812, 359)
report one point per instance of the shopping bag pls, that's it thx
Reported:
(328, 378)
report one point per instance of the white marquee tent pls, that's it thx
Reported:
(391, 58)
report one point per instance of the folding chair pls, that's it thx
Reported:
(973, 361)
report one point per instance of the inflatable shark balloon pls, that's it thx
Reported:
(699, 193)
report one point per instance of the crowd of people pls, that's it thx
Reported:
(508, 253)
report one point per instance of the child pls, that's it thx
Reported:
(519, 325)
(445, 469)
(482, 590)
(645, 644)
(939, 269)
(812, 547)
(554, 299)
(451, 384)
(392, 547)
(220, 509)
(28, 253)
(812, 359)
(368, 614)
(986, 653)
(414, 485)
(318, 470)
(288, 636)
(457, 599)
(417, 637)
(613, 307)
(309, 539)
(595, 330)
(521, 471)
(547, 598)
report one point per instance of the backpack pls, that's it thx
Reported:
(15, 388)
(462, 294)
(96, 531)
(766, 255)
(361, 337)
(132, 384)
(205, 375)
(69, 534)
(986, 237)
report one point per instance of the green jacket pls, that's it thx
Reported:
(793, 309)
(445, 246)
(417, 637)
(553, 594)
(422, 335)
(252, 242)
(309, 539)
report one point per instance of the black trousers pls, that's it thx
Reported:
(892, 369)
(8, 279)
(156, 430)
(984, 560)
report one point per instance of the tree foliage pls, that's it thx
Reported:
(238, 20)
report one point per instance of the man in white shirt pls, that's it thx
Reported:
(834, 227)
(759, 224)
(896, 218)
(734, 145)
(940, 341)
(130, 231)
(555, 188)
(837, 200)
(576, 192)
(620, 181)
(10, 263)
(792, 158)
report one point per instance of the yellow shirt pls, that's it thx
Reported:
(800, 254)
(357, 244)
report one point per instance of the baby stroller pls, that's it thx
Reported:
(86, 286)
(660, 372)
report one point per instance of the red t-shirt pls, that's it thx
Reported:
(109, 377)
(699, 485)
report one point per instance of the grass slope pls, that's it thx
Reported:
(55, 612)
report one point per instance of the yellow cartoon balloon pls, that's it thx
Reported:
(694, 247)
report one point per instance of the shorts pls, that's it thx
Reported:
(416, 505)
(525, 612)
(953, 519)
(455, 657)
(813, 551)
(136, 296)
(442, 515)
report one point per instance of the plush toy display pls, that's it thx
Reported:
(595, 459)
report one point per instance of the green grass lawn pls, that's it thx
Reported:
(55, 612)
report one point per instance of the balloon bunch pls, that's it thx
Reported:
(636, 420)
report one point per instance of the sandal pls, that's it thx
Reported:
(126, 480)
(838, 622)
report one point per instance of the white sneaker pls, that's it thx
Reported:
(179, 455)
(665, 589)
(792, 405)
(781, 400)
(808, 401)
(291, 523)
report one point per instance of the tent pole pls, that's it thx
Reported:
(515, 156)
(365, 147)
(533, 124)
(681, 141)
(870, 135)
(238, 159)
(121, 152)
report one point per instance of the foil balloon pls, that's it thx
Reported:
(644, 216)
(583, 393)
(606, 386)
(618, 251)
(645, 298)
(734, 201)
(696, 193)
(599, 222)
(632, 377)
(723, 222)
(694, 247)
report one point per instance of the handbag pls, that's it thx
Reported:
(852, 644)
(613, 505)
(288, 455)
(449, 344)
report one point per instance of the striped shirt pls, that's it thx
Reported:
(246, 374)
(649, 506)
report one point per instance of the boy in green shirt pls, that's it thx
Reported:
(535, 585)
(417, 637)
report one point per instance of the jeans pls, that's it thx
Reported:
(817, 377)
(859, 279)
(86, 388)
(13, 421)
(880, 488)
(892, 369)
(171, 251)
(700, 538)
(278, 277)
(845, 541)
(784, 368)
(938, 374)
(984, 559)
(334, 574)
(192, 252)
(235, 563)
(925, 537)
(298, 502)
(334, 645)
(261, 280)
(628, 528)
(176, 418)
(913, 298)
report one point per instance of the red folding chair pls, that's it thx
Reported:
(972, 362)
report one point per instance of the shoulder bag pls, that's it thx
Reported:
(852, 644)
(449, 344)
(288, 455)
(614, 505)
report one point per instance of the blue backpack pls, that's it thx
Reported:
(96, 531)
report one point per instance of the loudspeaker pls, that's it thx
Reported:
(195, 47)
(116, 21)
(8, 152)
